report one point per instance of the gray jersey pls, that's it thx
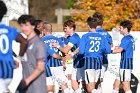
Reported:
(36, 50)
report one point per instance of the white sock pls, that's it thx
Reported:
(115, 91)
(78, 90)
(66, 90)
(98, 90)
(128, 91)
(50, 92)
(93, 91)
(69, 83)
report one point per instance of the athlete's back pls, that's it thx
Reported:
(7, 35)
(93, 44)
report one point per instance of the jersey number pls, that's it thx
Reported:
(95, 45)
(55, 49)
(4, 49)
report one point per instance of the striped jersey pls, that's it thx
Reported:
(92, 45)
(109, 40)
(51, 61)
(7, 35)
(128, 45)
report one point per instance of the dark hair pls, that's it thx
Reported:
(37, 22)
(99, 16)
(70, 24)
(37, 31)
(3, 9)
(92, 22)
(26, 18)
(126, 24)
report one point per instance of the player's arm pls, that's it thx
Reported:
(63, 49)
(111, 45)
(124, 44)
(117, 50)
(68, 56)
(57, 56)
(40, 64)
(110, 41)
(23, 44)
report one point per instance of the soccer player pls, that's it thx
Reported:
(92, 45)
(73, 44)
(126, 49)
(7, 35)
(34, 77)
(54, 60)
(39, 27)
(104, 33)
(68, 65)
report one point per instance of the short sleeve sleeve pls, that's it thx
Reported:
(109, 38)
(82, 45)
(72, 41)
(41, 51)
(124, 43)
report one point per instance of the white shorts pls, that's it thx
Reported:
(92, 75)
(4, 83)
(50, 81)
(124, 75)
(78, 74)
(69, 68)
(58, 75)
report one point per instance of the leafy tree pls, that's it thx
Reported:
(113, 10)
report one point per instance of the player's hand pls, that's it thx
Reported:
(63, 59)
(16, 64)
(68, 56)
(55, 44)
(23, 84)
(116, 47)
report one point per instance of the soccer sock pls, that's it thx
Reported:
(93, 91)
(98, 90)
(66, 90)
(78, 90)
(69, 83)
(128, 91)
(115, 91)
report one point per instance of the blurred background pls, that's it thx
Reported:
(57, 11)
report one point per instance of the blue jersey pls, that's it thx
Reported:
(109, 40)
(105, 34)
(65, 40)
(128, 45)
(92, 45)
(52, 62)
(7, 35)
(48, 71)
(74, 42)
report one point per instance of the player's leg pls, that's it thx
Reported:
(68, 72)
(75, 84)
(91, 77)
(117, 83)
(116, 86)
(50, 84)
(125, 78)
(61, 79)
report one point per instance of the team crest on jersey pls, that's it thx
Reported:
(31, 46)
